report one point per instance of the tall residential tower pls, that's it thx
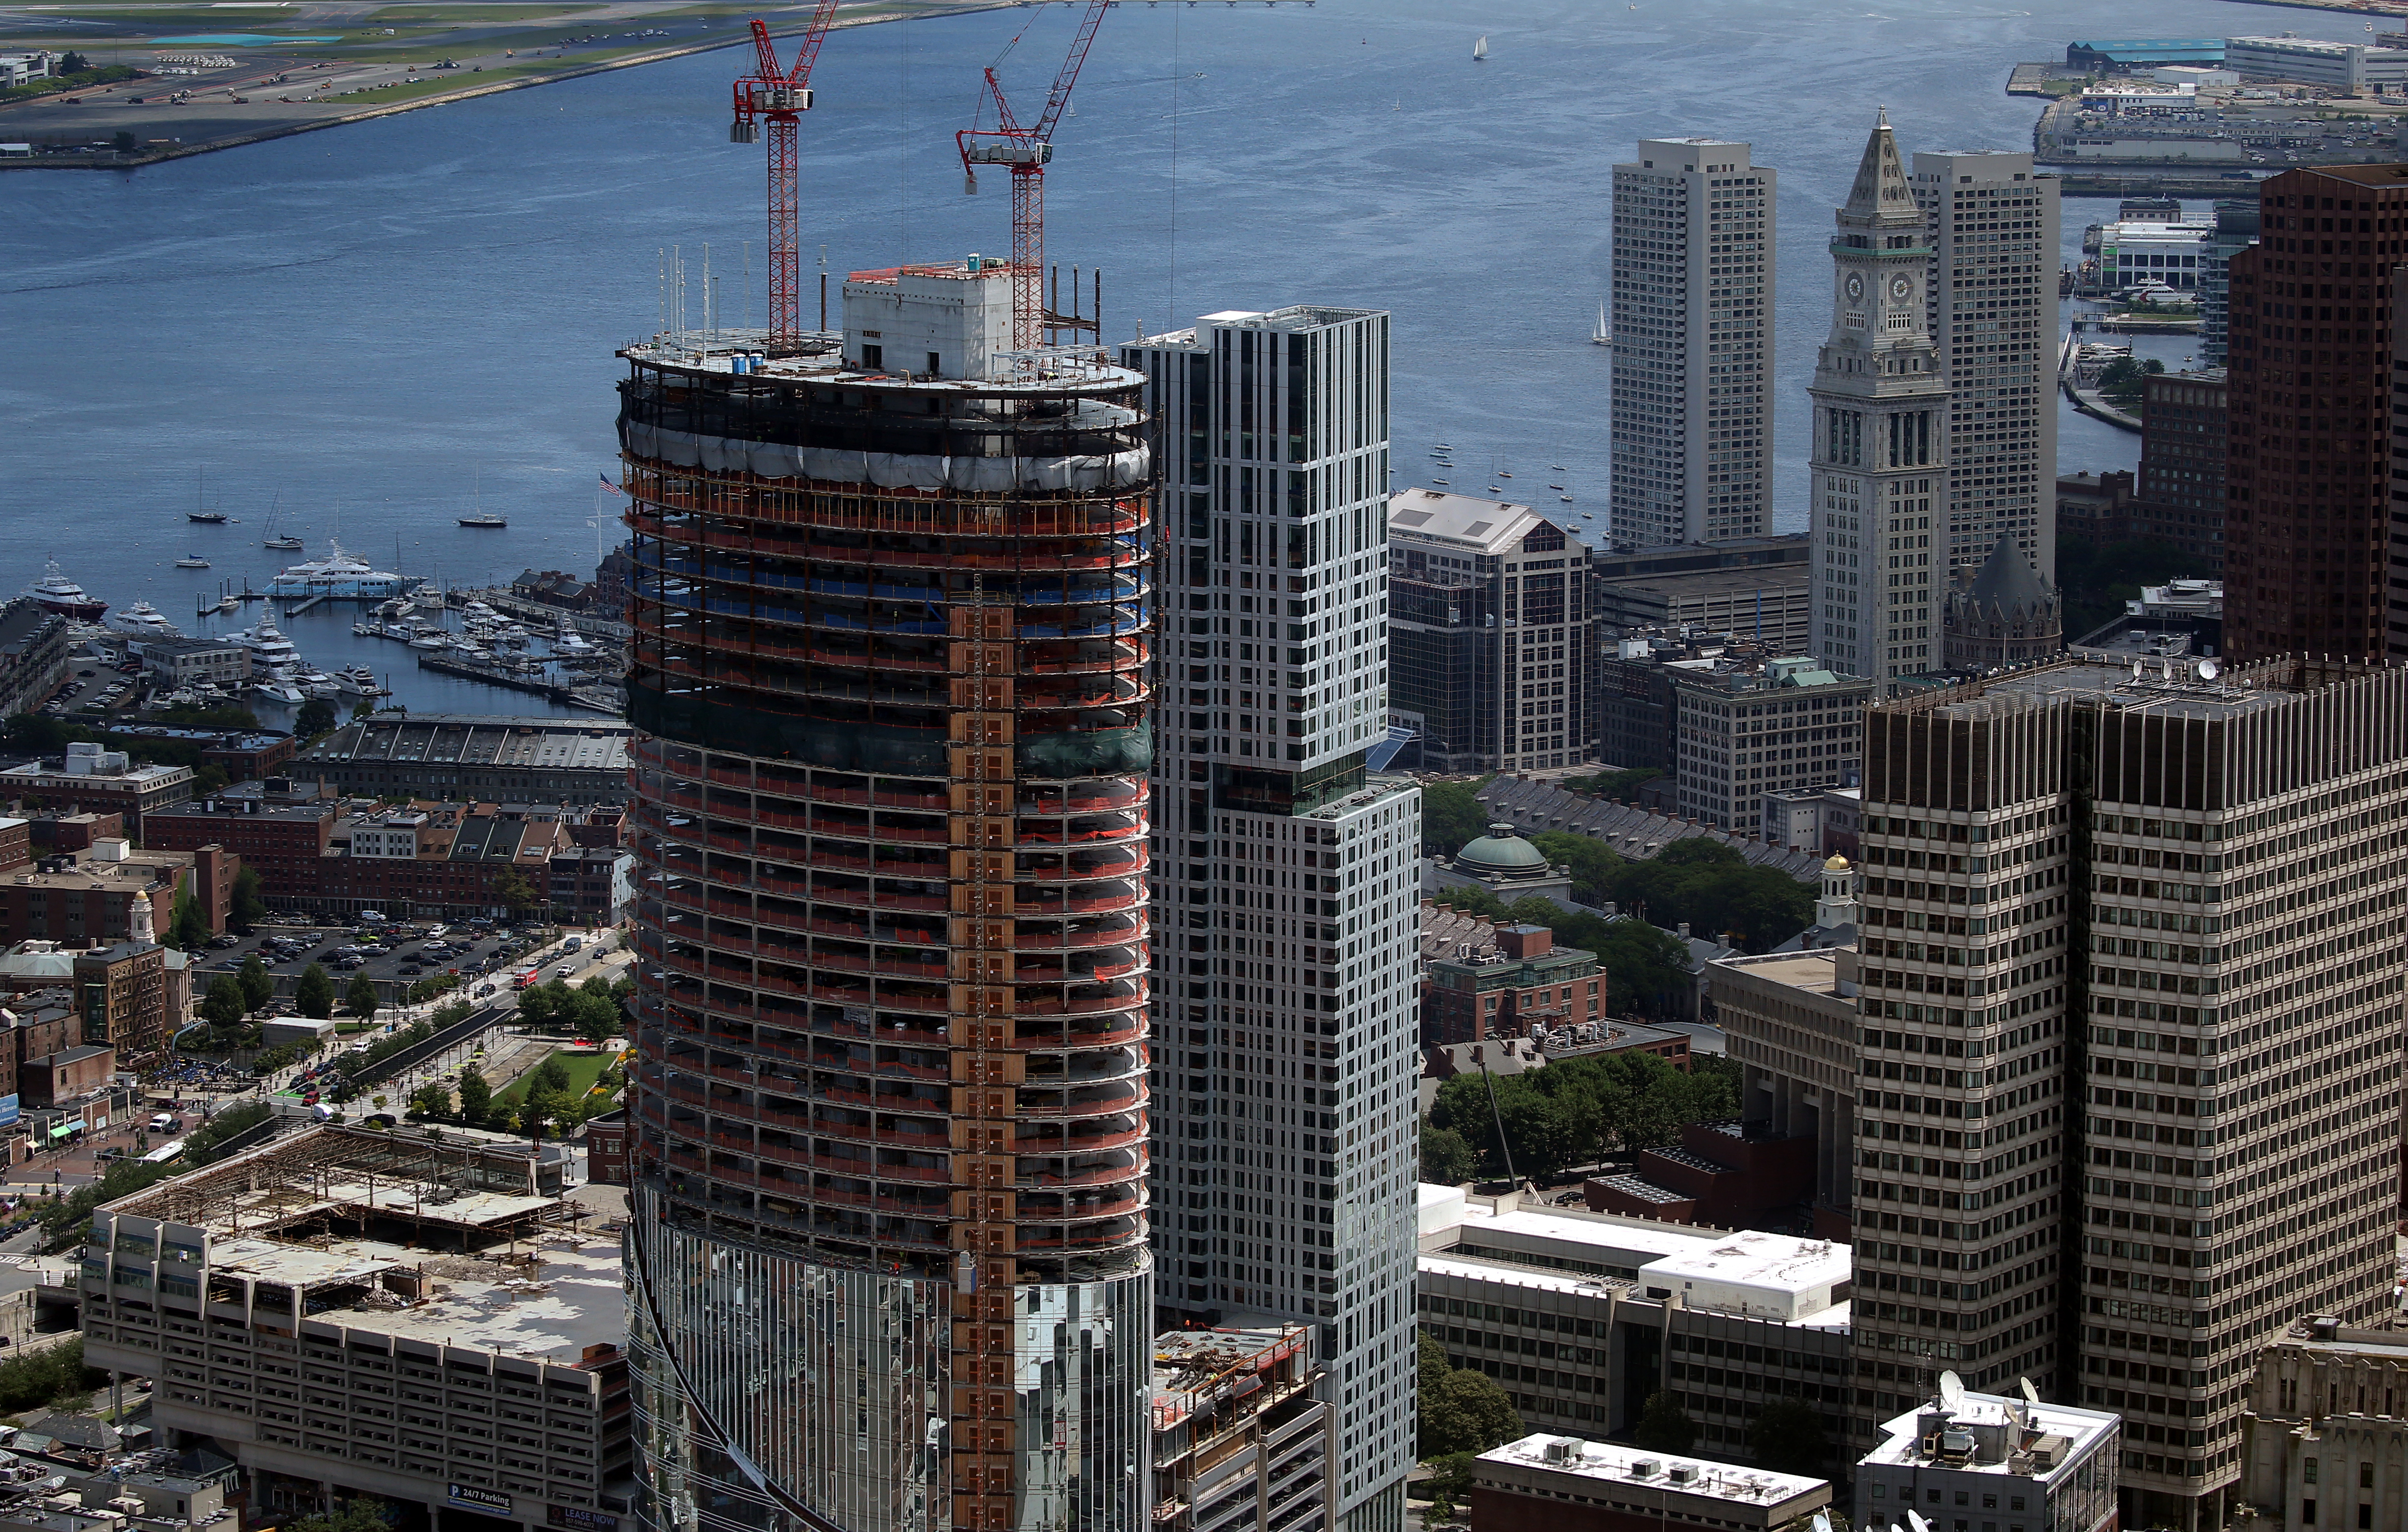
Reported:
(1992, 229)
(1693, 269)
(1880, 462)
(1285, 875)
(887, 1241)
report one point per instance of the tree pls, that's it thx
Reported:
(1452, 816)
(1471, 899)
(1593, 864)
(1467, 1412)
(432, 1099)
(1447, 1159)
(250, 902)
(512, 889)
(1788, 1437)
(313, 993)
(362, 1513)
(551, 1075)
(361, 998)
(124, 142)
(1449, 1482)
(222, 1006)
(258, 984)
(1664, 1427)
(186, 929)
(208, 777)
(74, 62)
(476, 1098)
(316, 717)
(539, 1003)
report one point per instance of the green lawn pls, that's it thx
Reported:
(584, 1070)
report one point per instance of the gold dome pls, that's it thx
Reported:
(1837, 864)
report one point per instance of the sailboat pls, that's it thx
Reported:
(1602, 336)
(287, 542)
(482, 517)
(200, 512)
(1480, 49)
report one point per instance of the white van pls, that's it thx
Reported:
(163, 1121)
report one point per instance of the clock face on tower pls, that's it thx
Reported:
(1855, 286)
(1902, 286)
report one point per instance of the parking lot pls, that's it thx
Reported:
(397, 956)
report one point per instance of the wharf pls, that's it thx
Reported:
(491, 676)
(522, 610)
(2033, 78)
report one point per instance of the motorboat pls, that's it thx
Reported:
(358, 681)
(569, 640)
(430, 638)
(55, 592)
(281, 691)
(271, 653)
(143, 620)
(192, 561)
(340, 575)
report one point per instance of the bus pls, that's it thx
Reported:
(165, 1152)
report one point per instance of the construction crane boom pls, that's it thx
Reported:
(778, 97)
(1026, 151)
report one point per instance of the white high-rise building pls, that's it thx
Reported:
(1284, 876)
(1992, 226)
(1692, 416)
(1880, 461)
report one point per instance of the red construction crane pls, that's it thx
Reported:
(1025, 150)
(780, 97)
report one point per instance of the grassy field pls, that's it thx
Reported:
(584, 1070)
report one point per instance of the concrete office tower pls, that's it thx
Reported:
(891, 620)
(1693, 270)
(2310, 358)
(1880, 461)
(1992, 224)
(1285, 879)
(2130, 965)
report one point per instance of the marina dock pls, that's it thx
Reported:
(594, 697)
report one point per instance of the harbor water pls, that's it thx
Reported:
(371, 331)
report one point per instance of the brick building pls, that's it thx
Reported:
(83, 899)
(279, 830)
(57, 1080)
(121, 994)
(606, 1149)
(2096, 507)
(1525, 983)
(2306, 515)
(91, 779)
(48, 832)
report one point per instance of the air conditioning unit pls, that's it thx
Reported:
(1644, 1468)
(1681, 1473)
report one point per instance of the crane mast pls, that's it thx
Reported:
(1025, 151)
(777, 98)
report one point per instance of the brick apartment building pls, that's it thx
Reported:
(279, 828)
(1527, 982)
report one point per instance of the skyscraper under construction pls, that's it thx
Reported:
(889, 670)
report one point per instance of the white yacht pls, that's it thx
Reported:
(271, 653)
(143, 620)
(567, 640)
(359, 681)
(281, 691)
(343, 576)
(430, 638)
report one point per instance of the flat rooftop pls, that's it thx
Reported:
(1467, 520)
(1815, 972)
(471, 740)
(1611, 1462)
(1991, 1435)
(2230, 694)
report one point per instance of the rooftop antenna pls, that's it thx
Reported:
(2032, 1395)
(1952, 1392)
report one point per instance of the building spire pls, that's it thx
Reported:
(1881, 193)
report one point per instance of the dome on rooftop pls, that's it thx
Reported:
(1837, 864)
(1501, 851)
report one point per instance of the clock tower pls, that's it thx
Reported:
(1881, 437)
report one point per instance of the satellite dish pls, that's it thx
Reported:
(2136, 669)
(2209, 669)
(1915, 1519)
(2032, 1395)
(1952, 1392)
(1822, 1521)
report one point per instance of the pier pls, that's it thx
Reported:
(593, 698)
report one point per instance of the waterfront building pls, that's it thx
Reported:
(1489, 629)
(2325, 1432)
(2139, 252)
(2023, 1463)
(2348, 68)
(1992, 228)
(1747, 730)
(33, 655)
(465, 1357)
(887, 1232)
(2129, 988)
(1880, 458)
(489, 755)
(2124, 55)
(1546, 1484)
(176, 663)
(1284, 874)
(1581, 1316)
(2182, 434)
(1692, 405)
(2306, 520)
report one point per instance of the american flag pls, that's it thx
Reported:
(611, 487)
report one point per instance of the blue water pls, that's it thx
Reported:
(374, 327)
